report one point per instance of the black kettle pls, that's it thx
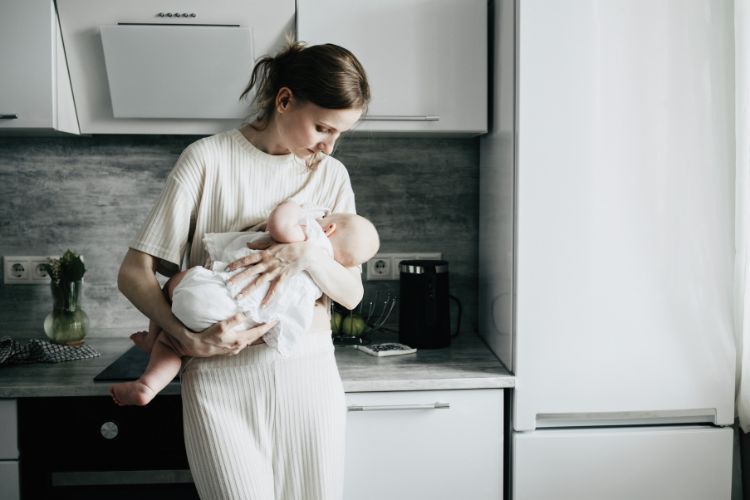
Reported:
(424, 309)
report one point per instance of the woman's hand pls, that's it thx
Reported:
(274, 264)
(220, 339)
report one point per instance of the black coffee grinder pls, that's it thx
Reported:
(424, 308)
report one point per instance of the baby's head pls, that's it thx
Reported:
(354, 239)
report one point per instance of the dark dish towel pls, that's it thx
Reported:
(14, 351)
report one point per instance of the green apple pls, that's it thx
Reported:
(353, 325)
(336, 318)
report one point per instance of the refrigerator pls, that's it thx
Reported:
(606, 245)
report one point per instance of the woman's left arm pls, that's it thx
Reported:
(280, 260)
(342, 284)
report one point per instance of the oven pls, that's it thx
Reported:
(89, 448)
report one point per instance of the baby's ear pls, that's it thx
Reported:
(330, 229)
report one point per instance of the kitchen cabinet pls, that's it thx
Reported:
(35, 93)
(426, 60)
(140, 67)
(9, 484)
(446, 452)
(425, 445)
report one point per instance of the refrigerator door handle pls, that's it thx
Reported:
(600, 419)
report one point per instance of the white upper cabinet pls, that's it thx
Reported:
(167, 66)
(35, 94)
(426, 60)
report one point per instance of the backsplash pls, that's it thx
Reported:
(91, 194)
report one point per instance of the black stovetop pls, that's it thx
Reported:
(129, 366)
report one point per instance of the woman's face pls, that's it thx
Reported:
(305, 128)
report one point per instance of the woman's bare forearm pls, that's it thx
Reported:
(341, 284)
(137, 281)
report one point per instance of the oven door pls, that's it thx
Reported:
(88, 447)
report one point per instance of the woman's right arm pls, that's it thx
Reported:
(137, 281)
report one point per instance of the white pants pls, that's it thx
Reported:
(261, 426)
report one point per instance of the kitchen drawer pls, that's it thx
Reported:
(425, 445)
(9, 485)
(8, 430)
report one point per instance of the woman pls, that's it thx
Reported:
(258, 425)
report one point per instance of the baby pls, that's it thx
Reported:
(201, 296)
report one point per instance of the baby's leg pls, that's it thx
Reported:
(163, 365)
(145, 339)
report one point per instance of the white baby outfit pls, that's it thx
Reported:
(204, 297)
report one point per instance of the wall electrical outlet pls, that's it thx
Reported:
(37, 272)
(16, 270)
(379, 267)
(25, 270)
(385, 266)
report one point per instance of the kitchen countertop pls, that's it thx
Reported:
(467, 364)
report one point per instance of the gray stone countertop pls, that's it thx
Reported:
(467, 364)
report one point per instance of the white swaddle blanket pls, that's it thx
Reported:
(203, 297)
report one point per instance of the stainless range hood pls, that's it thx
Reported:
(177, 67)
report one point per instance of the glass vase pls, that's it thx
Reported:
(67, 323)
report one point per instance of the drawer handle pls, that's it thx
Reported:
(8, 116)
(400, 118)
(428, 406)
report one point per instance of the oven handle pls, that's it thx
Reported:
(121, 477)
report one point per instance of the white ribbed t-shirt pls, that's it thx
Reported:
(223, 183)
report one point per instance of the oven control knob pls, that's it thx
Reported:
(109, 430)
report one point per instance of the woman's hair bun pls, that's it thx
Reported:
(327, 75)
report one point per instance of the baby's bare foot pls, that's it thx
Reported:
(142, 340)
(134, 393)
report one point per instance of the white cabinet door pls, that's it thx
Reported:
(9, 489)
(34, 86)
(426, 60)
(9, 485)
(431, 445)
(25, 55)
(646, 463)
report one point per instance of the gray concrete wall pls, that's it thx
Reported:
(90, 194)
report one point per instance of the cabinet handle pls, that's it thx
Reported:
(427, 406)
(400, 118)
(8, 116)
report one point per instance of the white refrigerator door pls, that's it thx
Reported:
(657, 463)
(625, 212)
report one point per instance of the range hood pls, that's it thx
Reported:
(175, 67)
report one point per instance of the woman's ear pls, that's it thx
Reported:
(330, 229)
(283, 99)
